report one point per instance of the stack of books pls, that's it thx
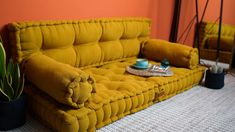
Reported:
(159, 69)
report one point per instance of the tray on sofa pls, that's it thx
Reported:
(148, 72)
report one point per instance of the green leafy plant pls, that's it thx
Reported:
(11, 81)
(216, 69)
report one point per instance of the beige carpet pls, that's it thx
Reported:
(199, 109)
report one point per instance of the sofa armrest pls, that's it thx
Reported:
(177, 54)
(66, 84)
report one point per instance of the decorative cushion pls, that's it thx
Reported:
(177, 54)
(64, 83)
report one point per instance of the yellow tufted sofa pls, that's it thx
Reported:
(208, 34)
(76, 70)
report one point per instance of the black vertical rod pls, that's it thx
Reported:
(204, 11)
(197, 31)
(219, 33)
(175, 21)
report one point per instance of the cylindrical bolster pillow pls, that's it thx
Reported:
(177, 54)
(66, 84)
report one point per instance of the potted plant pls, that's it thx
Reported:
(12, 101)
(214, 77)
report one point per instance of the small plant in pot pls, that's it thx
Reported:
(12, 101)
(215, 77)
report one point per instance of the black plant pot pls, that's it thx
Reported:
(214, 80)
(13, 113)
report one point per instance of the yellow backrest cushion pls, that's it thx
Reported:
(80, 43)
(226, 43)
(209, 29)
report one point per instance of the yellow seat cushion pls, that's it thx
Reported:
(115, 78)
(61, 118)
(118, 93)
(182, 80)
(114, 75)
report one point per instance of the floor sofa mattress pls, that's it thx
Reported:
(76, 69)
(130, 94)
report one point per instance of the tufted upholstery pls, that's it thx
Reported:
(80, 43)
(208, 35)
(77, 70)
(118, 94)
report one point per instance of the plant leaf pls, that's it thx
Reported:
(2, 61)
(10, 67)
(9, 78)
(3, 95)
(7, 88)
(16, 77)
(20, 87)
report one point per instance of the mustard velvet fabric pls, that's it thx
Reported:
(82, 43)
(59, 117)
(78, 70)
(177, 54)
(118, 94)
(66, 84)
(209, 30)
(226, 43)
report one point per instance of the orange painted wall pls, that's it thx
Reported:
(24, 10)
(188, 12)
(165, 11)
(159, 11)
(71, 9)
(212, 13)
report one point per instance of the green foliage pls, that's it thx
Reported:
(216, 69)
(11, 81)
